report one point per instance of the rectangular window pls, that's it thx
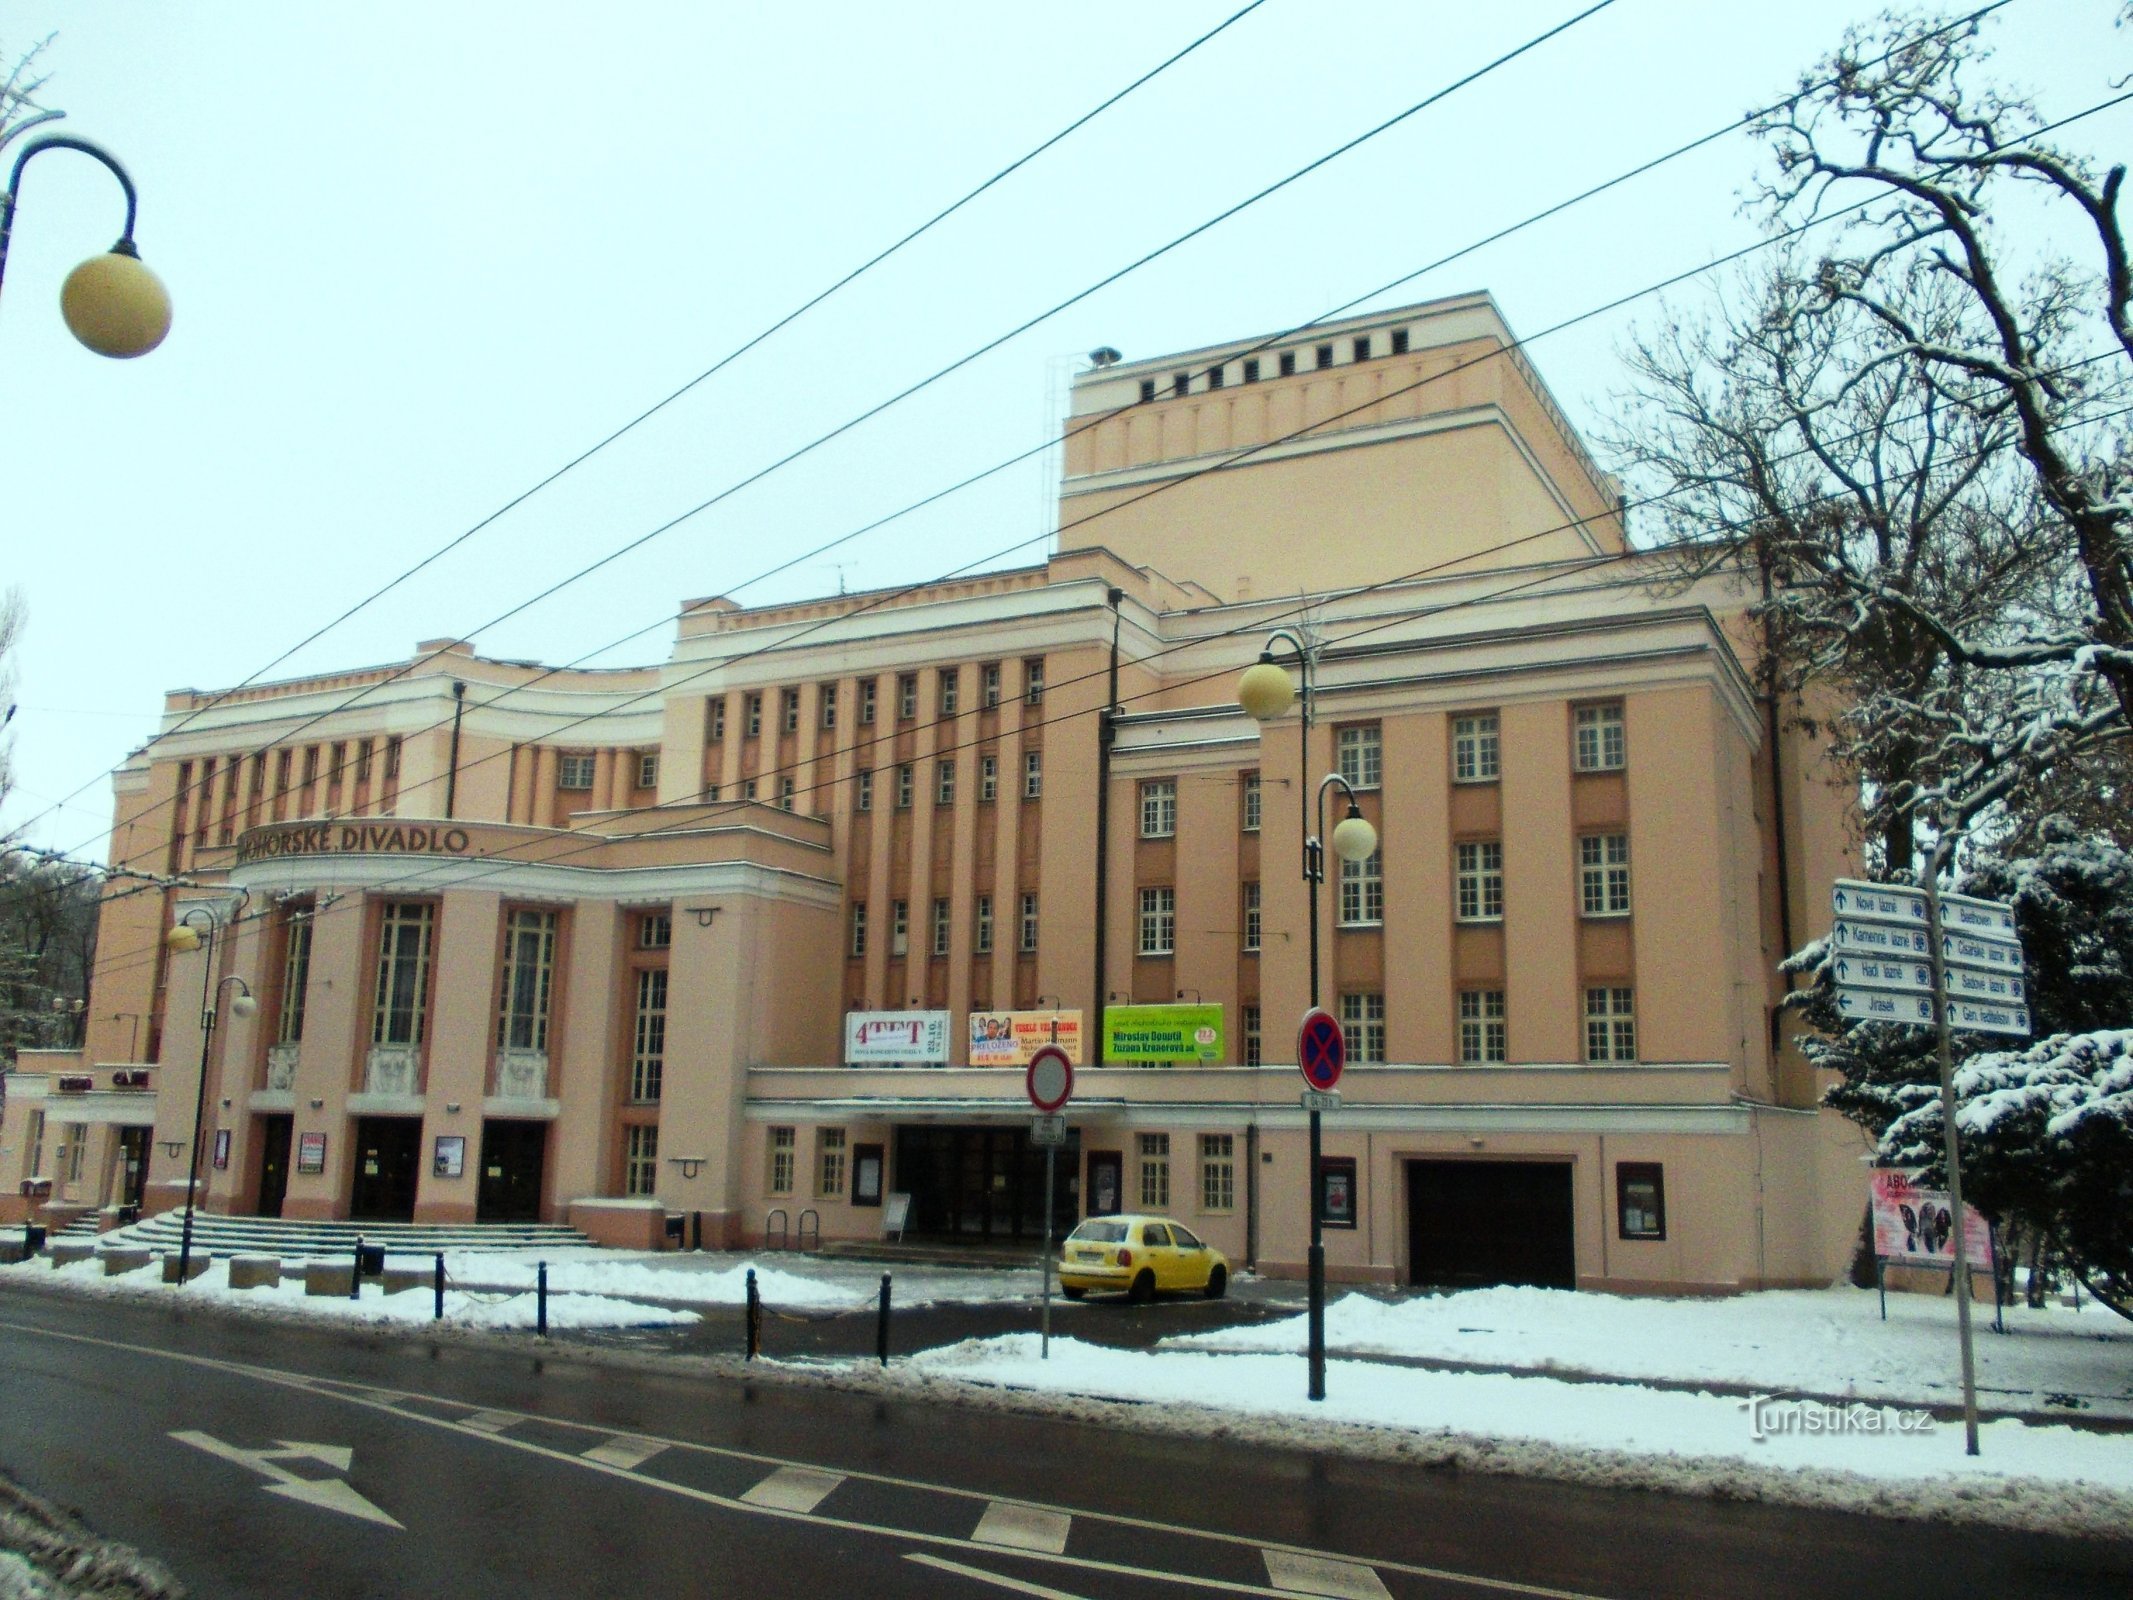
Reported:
(1159, 808)
(1251, 916)
(827, 694)
(1214, 377)
(400, 997)
(1288, 363)
(77, 1147)
(1155, 1170)
(863, 789)
(1483, 1035)
(1252, 1039)
(1218, 1172)
(1147, 390)
(392, 761)
(829, 1162)
(575, 772)
(714, 719)
(1180, 383)
(1324, 356)
(1251, 369)
(295, 977)
(1159, 921)
(1603, 874)
(1252, 802)
(1640, 1199)
(906, 780)
(1475, 748)
(940, 927)
(1032, 774)
(647, 771)
(789, 710)
(787, 789)
(1362, 348)
(362, 765)
(951, 691)
(1033, 681)
(529, 980)
(866, 702)
(944, 782)
(906, 696)
(988, 778)
(859, 928)
(655, 930)
(899, 927)
(1602, 744)
(1480, 881)
(1399, 341)
(752, 715)
(1029, 924)
(1363, 1028)
(640, 1160)
(36, 1142)
(1610, 1024)
(1363, 891)
(981, 938)
(989, 685)
(782, 1146)
(648, 1035)
(1361, 757)
(748, 788)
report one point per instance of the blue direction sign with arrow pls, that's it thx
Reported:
(1321, 1051)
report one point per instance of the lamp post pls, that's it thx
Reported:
(182, 939)
(1265, 693)
(112, 303)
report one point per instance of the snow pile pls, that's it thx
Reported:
(47, 1555)
(721, 1286)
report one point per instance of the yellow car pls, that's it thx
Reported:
(1139, 1257)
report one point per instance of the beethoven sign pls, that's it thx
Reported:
(351, 839)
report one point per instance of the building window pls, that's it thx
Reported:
(1362, 348)
(655, 930)
(859, 927)
(295, 977)
(1252, 811)
(640, 1160)
(1288, 363)
(1218, 1172)
(748, 788)
(940, 927)
(1363, 1028)
(400, 1006)
(1399, 341)
(1483, 1035)
(1323, 355)
(392, 761)
(647, 771)
(1603, 874)
(981, 938)
(1602, 745)
(752, 715)
(1159, 921)
(1252, 1038)
(1147, 390)
(1251, 916)
(648, 1046)
(362, 765)
(1180, 383)
(988, 778)
(1033, 681)
(1155, 1171)
(829, 1162)
(714, 719)
(944, 783)
(866, 702)
(1480, 881)
(1363, 891)
(1361, 757)
(36, 1142)
(1610, 1024)
(1159, 808)
(781, 1160)
(789, 710)
(1475, 748)
(1214, 377)
(989, 685)
(906, 696)
(951, 690)
(1251, 369)
(899, 927)
(905, 780)
(828, 696)
(1640, 1199)
(1032, 774)
(529, 980)
(863, 789)
(77, 1147)
(575, 772)
(786, 791)
(1029, 924)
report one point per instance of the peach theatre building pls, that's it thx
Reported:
(763, 935)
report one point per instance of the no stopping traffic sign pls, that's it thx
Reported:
(1320, 1049)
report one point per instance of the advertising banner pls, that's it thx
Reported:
(1163, 1033)
(1010, 1038)
(1917, 1226)
(882, 1037)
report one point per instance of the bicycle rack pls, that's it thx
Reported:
(810, 1228)
(775, 1230)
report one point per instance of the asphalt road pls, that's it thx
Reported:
(273, 1460)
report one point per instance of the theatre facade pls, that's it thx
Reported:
(762, 937)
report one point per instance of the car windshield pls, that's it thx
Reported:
(1100, 1230)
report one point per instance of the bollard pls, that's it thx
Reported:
(440, 1288)
(881, 1323)
(32, 1239)
(696, 1230)
(540, 1301)
(755, 1317)
(355, 1271)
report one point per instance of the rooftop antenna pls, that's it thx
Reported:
(840, 568)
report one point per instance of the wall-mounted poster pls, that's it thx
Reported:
(1010, 1038)
(866, 1174)
(1163, 1033)
(887, 1037)
(311, 1152)
(1337, 1191)
(222, 1149)
(450, 1160)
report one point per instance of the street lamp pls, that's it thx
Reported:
(184, 938)
(1265, 693)
(112, 303)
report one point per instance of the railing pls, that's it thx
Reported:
(281, 1066)
(391, 1069)
(522, 1074)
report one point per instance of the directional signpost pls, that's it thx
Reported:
(1939, 961)
(1049, 1083)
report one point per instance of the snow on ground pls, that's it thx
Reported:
(788, 1279)
(1819, 1341)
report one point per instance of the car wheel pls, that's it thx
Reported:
(1217, 1282)
(1143, 1289)
(1072, 1294)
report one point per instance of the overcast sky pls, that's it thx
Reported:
(422, 255)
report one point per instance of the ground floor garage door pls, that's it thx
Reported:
(1474, 1223)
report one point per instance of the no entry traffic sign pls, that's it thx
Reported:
(1320, 1050)
(1050, 1079)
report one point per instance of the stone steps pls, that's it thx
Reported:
(216, 1235)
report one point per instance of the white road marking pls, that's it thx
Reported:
(1037, 1591)
(1338, 1580)
(624, 1451)
(798, 1489)
(328, 1494)
(1016, 1527)
(490, 1421)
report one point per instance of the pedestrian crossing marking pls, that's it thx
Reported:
(490, 1421)
(1336, 1580)
(1014, 1527)
(624, 1452)
(793, 1489)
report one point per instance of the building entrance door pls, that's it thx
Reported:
(274, 1134)
(386, 1151)
(512, 1155)
(1475, 1223)
(1106, 1182)
(985, 1185)
(132, 1165)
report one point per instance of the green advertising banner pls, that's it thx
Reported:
(1163, 1033)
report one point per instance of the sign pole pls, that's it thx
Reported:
(1954, 1154)
(1049, 1083)
(1044, 1338)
